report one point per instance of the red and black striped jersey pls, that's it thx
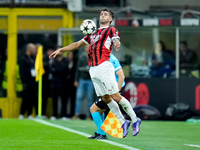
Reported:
(101, 43)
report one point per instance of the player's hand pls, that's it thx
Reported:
(117, 45)
(54, 54)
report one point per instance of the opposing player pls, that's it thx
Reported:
(102, 71)
(99, 107)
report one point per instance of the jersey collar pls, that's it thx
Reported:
(104, 27)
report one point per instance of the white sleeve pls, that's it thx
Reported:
(84, 41)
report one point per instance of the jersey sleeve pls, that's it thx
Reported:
(115, 62)
(86, 39)
(114, 33)
(116, 65)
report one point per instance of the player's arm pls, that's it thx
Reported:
(73, 46)
(121, 78)
(116, 43)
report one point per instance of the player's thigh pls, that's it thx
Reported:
(102, 111)
(103, 78)
(98, 85)
(108, 78)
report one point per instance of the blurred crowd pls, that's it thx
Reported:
(162, 63)
(65, 83)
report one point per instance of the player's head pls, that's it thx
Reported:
(106, 16)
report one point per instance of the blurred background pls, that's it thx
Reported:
(160, 49)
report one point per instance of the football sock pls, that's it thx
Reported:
(98, 121)
(114, 108)
(102, 116)
(128, 108)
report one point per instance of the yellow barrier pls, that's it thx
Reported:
(11, 104)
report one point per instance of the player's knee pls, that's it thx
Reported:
(102, 111)
(107, 99)
(117, 97)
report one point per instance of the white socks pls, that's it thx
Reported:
(116, 111)
(128, 108)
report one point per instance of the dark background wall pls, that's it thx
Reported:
(163, 92)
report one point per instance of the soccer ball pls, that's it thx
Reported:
(88, 27)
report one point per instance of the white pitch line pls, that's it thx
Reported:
(84, 134)
(193, 145)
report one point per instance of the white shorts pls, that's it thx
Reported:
(103, 78)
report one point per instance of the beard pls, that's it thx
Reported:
(103, 21)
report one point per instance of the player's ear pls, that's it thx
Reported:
(111, 20)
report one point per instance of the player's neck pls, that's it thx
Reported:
(104, 25)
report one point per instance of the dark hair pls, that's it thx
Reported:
(111, 12)
(162, 44)
(184, 43)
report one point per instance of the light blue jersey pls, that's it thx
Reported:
(117, 66)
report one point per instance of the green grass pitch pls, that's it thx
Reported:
(154, 135)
